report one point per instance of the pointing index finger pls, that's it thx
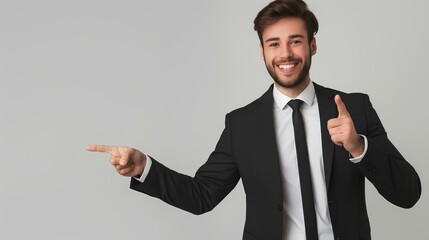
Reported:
(100, 148)
(342, 110)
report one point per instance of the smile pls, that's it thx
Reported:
(287, 66)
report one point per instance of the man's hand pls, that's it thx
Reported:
(343, 132)
(128, 162)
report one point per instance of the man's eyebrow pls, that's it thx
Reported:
(296, 36)
(272, 39)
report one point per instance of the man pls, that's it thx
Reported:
(262, 145)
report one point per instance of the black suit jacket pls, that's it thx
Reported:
(247, 149)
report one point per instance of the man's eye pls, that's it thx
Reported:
(295, 42)
(274, 45)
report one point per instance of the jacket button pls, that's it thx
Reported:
(280, 207)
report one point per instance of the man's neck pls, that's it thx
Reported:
(293, 92)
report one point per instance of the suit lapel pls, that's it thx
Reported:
(268, 147)
(327, 110)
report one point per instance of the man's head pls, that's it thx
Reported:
(286, 29)
(279, 9)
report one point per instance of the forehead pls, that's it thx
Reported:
(284, 28)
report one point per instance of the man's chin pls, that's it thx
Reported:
(289, 83)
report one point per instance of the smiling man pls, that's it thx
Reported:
(302, 151)
(287, 52)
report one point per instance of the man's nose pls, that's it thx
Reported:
(286, 51)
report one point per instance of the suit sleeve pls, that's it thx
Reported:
(201, 193)
(383, 165)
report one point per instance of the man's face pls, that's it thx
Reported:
(287, 54)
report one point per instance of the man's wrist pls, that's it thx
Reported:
(359, 149)
(146, 169)
(358, 158)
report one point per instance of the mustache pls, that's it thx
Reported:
(286, 61)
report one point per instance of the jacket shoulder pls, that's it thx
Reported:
(330, 93)
(263, 103)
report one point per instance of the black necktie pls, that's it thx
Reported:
(304, 171)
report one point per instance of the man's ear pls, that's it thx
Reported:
(313, 46)
(261, 48)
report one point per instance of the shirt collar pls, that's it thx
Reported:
(307, 96)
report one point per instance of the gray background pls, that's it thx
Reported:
(160, 76)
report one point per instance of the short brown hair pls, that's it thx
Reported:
(280, 9)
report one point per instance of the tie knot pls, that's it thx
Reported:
(295, 104)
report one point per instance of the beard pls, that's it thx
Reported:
(295, 82)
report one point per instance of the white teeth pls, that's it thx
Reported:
(288, 66)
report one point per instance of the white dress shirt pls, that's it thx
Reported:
(293, 219)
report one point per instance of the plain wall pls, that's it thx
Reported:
(160, 76)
